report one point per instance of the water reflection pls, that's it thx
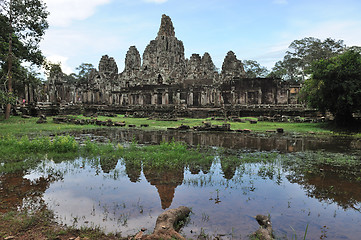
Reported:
(121, 195)
(165, 180)
(331, 188)
(233, 140)
(18, 192)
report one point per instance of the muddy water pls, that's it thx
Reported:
(233, 140)
(119, 197)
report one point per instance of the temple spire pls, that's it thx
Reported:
(166, 27)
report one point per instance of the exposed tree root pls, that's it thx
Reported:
(165, 225)
(265, 231)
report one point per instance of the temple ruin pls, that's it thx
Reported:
(163, 80)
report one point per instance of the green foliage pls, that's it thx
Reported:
(6, 97)
(335, 85)
(84, 71)
(302, 53)
(24, 21)
(23, 153)
(254, 69)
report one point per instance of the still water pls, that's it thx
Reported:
(125, 198)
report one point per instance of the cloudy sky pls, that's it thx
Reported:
(81, 31)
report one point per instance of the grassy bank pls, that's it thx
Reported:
(23, 154)
(19, 126)
(41, 225)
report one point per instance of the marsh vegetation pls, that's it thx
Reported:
(115, 182)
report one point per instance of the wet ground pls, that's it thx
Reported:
(125, 197)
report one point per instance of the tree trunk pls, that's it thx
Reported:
(10, 65)
(164, 227)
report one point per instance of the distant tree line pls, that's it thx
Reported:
(329, 71)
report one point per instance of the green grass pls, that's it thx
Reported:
(24, 154)
(18, 126)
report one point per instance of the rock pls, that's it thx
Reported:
(144, 125)
(40, 121)
(280, 130)
(132, 125)
(9, 238)
(271, 131)
(183, 127)
(244, 130)
(25, 116)
(119, 124)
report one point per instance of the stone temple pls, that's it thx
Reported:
(163, 80)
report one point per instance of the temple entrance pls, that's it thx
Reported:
(159, 98)
(160, 79)
(252, 97)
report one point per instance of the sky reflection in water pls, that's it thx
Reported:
(223, 201)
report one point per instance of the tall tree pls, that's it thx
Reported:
(302, 53)
(335, 86)
(254, 69)
(26, 21)
(84, 71)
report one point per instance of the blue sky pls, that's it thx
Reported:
(81, 31)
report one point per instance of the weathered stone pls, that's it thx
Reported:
(130, 75)
(108, 68)
(232, 68)
(40, 121)
(166, 27)
(166, 86)
(163, 58)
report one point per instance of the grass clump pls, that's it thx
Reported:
(24, 153)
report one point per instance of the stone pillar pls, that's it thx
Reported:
(177, 98)
(203, 98)
(141, 99)
(154, 98)
(190, 98)
(165, 98)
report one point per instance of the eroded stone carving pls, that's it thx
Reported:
(163, 58)
(232, 67)
(166, 80)
(108, 68)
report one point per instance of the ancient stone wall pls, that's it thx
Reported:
(165, 78)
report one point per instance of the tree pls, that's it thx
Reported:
(254, 69)
(335, 85)
(84, 71)
(302, 53)
(25, 21)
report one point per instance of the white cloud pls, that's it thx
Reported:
(280, 1)
(339, 30)
(63, 63)
(156, 1)
(63, 12)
